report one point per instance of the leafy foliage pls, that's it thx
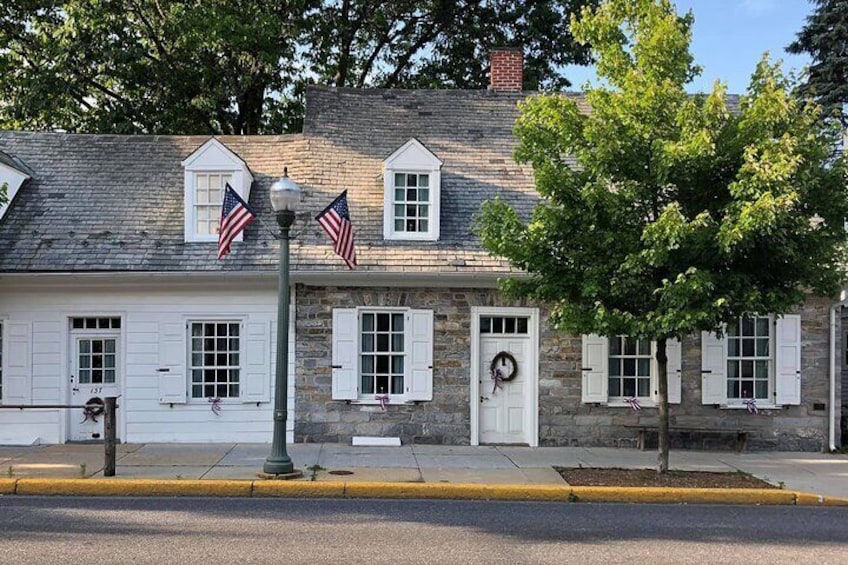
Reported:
(681, 212)
(220, 66)
(825, 39)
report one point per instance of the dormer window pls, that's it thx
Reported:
(412, 182)
(207, 171)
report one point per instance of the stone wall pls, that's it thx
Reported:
(563, 419)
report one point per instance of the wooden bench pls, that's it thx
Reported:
(741, 435)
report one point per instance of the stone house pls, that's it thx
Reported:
(109, 285)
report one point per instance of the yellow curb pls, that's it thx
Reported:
(298, 489)
(7, 486)
(133, 487)
(834, 501)
(683, 495)
(456, 491)
(808, 499)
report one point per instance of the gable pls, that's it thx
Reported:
(412, 155)
(13, 176)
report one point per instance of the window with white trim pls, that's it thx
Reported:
(749, 373)
(621, 368)
(208, 197)
(412, 183)
(758, 358)
(215, 359)
(382, 355)
(629, 368)
(207, 171)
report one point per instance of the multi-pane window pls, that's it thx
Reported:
(96, 323)
(382, 353)
(412, 202)
(515, 325)
(749, 358)
(208, 196)
(215, 360)
(97, 360)
(629, 367)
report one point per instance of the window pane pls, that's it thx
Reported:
(485, 325)
(197, 391)
(85, 346)
(197, 376)
(382, 364)
(747, 347)
(732, 389)
(382, 322)
(615, 345)
(522, 325)
(762, 389)
(423, 225)
(733, 347)
(398, 198)
(397, 322)
(423, 180)
(615, 387)
(411, 180)
(629, 387)
(84, 376)
(497, 325)
(644, 347)
(368, 322)
(109, 361)
(644, 387)
(367, 343)
(747, 326)
(629, 367)
(733, 328)
(400, 179)
(629, 346)
(423, 195)
(614, 368)
(367, 363)
(397, 384)
(399, 209)
(110, 376)
(84, 362)
(762, 326)
(397, 365)
(367, 384)
(411, 195)
(509, 325)
(747, 369)
(399, 225)
(110, 346)
(762, 347)
(383, 342)
(382, 384)
(747, 389)
(761, 370)
(733, 369)
(397, 342)
(644, 367)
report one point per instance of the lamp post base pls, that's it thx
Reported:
(278, 466)
(281, 476)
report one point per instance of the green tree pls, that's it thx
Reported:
(825, 39)
(221, 66)
(681, 213)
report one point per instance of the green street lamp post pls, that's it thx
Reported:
(285, 196)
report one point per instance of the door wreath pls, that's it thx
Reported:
(94, 407)
(505, 364)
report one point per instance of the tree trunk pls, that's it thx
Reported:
(662, 379)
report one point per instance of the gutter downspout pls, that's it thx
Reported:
(831, 428)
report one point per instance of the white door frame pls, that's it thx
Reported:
(68, 354)
(532, 399)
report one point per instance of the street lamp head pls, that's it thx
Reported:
(285, 194)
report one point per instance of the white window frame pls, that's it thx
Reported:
(740, 358)
(190, 366)
(595, 365)
(213, 157)
(653, 384)
(409, 352)
(784, 365)
(412, 158)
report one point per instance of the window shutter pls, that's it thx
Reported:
(17, 376)
(788, 360)
(419, 344)
(172, 363)
(674, 352)
(345, 353)
(595, 368)
(713, 369)
(256, 384)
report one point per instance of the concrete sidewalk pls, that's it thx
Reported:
(822, 474)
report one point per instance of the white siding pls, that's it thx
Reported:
(141, 417)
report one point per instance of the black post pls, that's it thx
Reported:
(109, 433)
(279, 462)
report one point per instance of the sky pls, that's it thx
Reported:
(730, 36)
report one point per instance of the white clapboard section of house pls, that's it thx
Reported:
(143, 417)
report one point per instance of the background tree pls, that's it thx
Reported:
(682, 213)
(825, 39)
(221, 66)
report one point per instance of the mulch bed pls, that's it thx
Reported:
(650, 478)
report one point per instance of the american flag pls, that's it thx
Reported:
(335, 219)
(235, 216)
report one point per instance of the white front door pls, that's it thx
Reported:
(94, 376)
(504, 416)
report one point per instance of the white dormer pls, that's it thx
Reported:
(412, 185)
(207, 171)
(13, 174)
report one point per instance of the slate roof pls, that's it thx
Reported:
(115, 203)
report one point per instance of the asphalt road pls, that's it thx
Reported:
(206, 530)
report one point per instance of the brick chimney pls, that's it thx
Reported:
(507, 69)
